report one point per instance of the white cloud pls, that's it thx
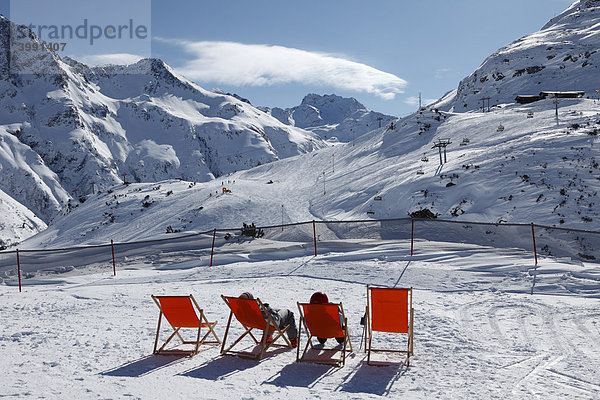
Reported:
(414, 101)
(103, 59)
(263, 65)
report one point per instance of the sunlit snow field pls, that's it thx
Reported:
(488, 324)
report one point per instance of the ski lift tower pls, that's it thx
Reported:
(556, 105)
(442, 144)
(483, 100)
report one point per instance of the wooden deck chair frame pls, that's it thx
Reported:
(407, 314)
(267, 323)
(170, 315)
(347, 347)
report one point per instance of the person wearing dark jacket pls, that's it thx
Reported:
(282, 317)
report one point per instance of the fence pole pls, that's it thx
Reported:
(315, 237)
(212, 250)
(112, 249)
(534, 248)
(19, 269)
(412, 234)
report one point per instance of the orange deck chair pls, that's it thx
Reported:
(323, 321)
(389, 310)
(249, 313)
(180, 312)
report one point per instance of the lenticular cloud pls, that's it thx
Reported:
(262, 65)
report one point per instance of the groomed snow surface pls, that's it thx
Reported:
(488, 324)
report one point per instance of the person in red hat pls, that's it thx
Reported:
(321, 298)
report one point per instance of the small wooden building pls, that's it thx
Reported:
(530, 98)
(527, 98)
(575, 94)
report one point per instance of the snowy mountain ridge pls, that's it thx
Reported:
(562, 56)
(332, 117)
(69, 129)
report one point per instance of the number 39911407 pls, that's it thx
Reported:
(41, 46)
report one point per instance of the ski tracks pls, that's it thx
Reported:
(539, 348)
(544, 378)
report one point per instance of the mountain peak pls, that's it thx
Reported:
(322, 101)
(145, 66)
(331, 116)
(562, 56)
(333, 109)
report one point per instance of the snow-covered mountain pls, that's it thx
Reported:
(512, 164)
(332, 117)
(530, 170)
(67, 129)
(562, 56)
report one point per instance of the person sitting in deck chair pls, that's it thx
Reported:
(321, 298)
(282, 318)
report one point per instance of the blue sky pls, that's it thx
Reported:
(382, 52)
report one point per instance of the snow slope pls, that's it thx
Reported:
(17, 222)
(487, 325)
(512, 176)
(488, 322)
(27, 178)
